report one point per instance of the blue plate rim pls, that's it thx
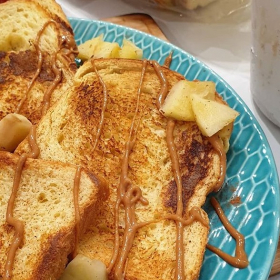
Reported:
(237, 97)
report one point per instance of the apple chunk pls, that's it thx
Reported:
(211, 116)
(178, 105)
(107, 50)
(130, 50)
(87, 49)
(98, 48)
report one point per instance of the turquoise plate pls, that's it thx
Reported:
(251, 172)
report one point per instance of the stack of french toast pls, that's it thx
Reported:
(113, 178)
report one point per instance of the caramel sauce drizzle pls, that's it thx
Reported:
(127, 196)
(218, 147)
(105, 100)
(168, 60)
(39, 65)
(34, 153)
(68, 46)
(179, 272)
(69, 43)
(17, 224)
(240, 260)
(67, 49)
(48, 93)
(194, 215)
(76, 207)
(164, 90)
(10, 219)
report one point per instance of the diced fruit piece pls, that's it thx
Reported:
(129, 50)
(177, 104)
(13, 129)
(225, 134)
(98, 48)
(83, 268)
(211, 116)
(87, 49)
(107, 50)
(205, 89)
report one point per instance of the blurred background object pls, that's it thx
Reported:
(198, 10)
(265, 57)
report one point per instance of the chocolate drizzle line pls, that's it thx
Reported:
(127, 196)
(17, 224)
(240, 259)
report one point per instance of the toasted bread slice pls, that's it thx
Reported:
(21, 21)
(69, 133)
(44, 203)
(54, 9)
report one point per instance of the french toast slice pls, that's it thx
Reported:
(45, 204)
(73, 131)
(55, 10)
(21, 47)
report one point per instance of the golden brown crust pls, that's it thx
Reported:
(16, 71)
(19, 58)
(44, 203)
(68, 133)
(55, 11)
(195, 161)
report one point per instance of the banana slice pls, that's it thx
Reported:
(13, 129)
(83, 268)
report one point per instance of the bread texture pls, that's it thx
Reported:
(55, 11)
(21, 21)
(69, 133)
(45, 204)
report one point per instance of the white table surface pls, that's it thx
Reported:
(223, 45)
